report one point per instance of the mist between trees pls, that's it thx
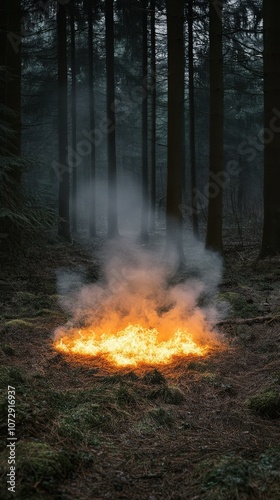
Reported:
(160, 104)
(249, 148)
(122, 108)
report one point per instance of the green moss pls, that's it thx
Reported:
(154, 377)
(11, 376)
(126, 396)
(232, 476)
(64, 400)
(25, 297)
(44, 312)
(240, 306)
(198, 366)
(161, 417)
(228, 474)
(169, 395)
(32, 301)
(8, 350)
(120, 378)
(81, 419)
(38, 462)
(18, 323)
(211, 379)
(54, 297)
(265, 404)
(85, 422)
(145, 427)
(31, 411)
(112, 379)
(131, 376)
(3, 413)
(27, 305)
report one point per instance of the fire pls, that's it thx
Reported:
(131, 346)
(134, 315)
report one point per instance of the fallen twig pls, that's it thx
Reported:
(249, 321)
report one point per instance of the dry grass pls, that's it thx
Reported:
(196, 429)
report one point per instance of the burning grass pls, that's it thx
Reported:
(132, 346)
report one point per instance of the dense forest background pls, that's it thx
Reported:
(84, 106)
(139, 246)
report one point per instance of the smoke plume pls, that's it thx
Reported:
(139, 286)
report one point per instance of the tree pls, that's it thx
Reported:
(73, 116)
(92, 219)
(153, 118)
(214, 239)
(271, 225)
(111, 121)
(12, 45)
(64, 185)
(145, 172)
(192, 119)
(175, 33)
(10, 108)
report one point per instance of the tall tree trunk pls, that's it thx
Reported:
(175, 22)
(240, 186)
(64, 186)
(73, 117)
(145, 172)
(92, 216)
(111, 135)
(13, 81)
(214, 238)
(10, 101)
(192, 120)
(271, 225)
(154, 116)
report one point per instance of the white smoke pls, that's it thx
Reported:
(140, 286)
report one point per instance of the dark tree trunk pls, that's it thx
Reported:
(111, 133)
(92, 217)
(10, 101)
(175, 22)
(271, 225)
(145, 172)
(214, 238)
(154, 115)
(192, 120)
(240, 187)
(13, 81)
(73, 117)
(64, 186)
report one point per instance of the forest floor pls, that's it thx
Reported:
(200, 428)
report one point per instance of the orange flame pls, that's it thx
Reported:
(136, 316)
(131, 346)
